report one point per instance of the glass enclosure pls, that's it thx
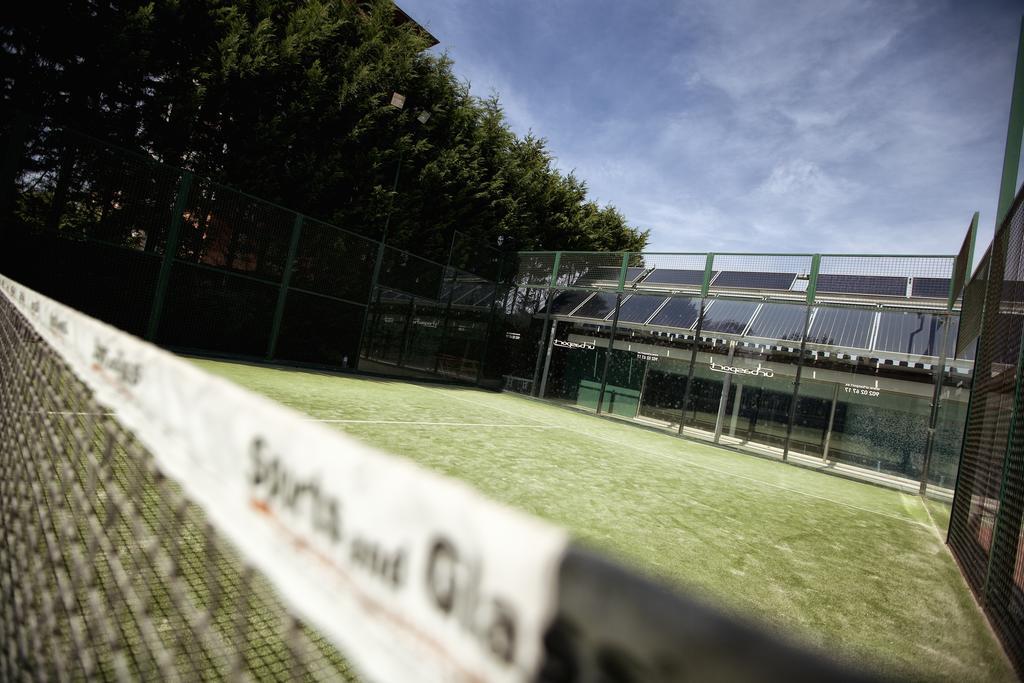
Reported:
(835, 361)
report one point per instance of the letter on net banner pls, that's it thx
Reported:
(414, 576)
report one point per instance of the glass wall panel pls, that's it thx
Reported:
(913, 333)
(952, 419)
(521, 328)
(882, 405)
(662, 390)
(389, 317)
(575, 365)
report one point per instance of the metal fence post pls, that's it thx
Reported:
(812, 291)
(12, 166)
(933, 417)
(293, 247)
(608, 352)
(1014, 136)
(544, 331)
(487, 332)
(170, 252)
(704, 289)
(365, 338)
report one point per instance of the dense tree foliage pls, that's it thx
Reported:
(289, 100)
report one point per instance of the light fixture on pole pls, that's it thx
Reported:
(398, 102)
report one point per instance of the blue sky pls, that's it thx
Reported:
(771, 125)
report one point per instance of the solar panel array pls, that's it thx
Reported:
(913, 333)
(739, 279)
(874, 285)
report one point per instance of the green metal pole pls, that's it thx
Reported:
(1014, 135)
(170, 251)
(608, 353)
(622, 272)
(487, 332)
(705, 287)
(374, 278)
(812, 291)
(286, 279)
(933, 418)
(1001, 515)
(957, 493)
(405, 331)
(542, 348)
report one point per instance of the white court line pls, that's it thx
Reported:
(62, 412)
(676, 458)
(437, 424)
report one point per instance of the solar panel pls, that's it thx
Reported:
(670, 276)
(599, 306)
(484, 296)
(742, 279)
(605, 275)
(638, 308)
(679, 312)
(633, 273)
(465, 293)
(779, 321)
(728, 317)
(390, 294)
(850, 327)
(910, 332)
(565, 302)
(879, 285)
(930, 287)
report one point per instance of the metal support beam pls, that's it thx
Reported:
(405, 331)
(933, 417)
(170, 252)
(831, 421)
(643, 387)
(547, 361)
(723, 401)
(374, 280)
(735, 410)
(608, 353)
(282, 294)
(796, 384)
(812, 290)
(1014, 135)
(687, 390)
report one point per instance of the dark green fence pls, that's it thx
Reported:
(985, 531)
(196, 266)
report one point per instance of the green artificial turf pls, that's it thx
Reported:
(856, 569)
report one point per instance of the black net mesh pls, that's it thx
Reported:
(985, 528)
(108, 572)
(973, 305)
(319, 330)
(224, 228)
(332, 261)
(90, 227)
(411, 274)
(215, 311)
(111, 283)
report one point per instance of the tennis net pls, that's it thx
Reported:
(158, 522)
